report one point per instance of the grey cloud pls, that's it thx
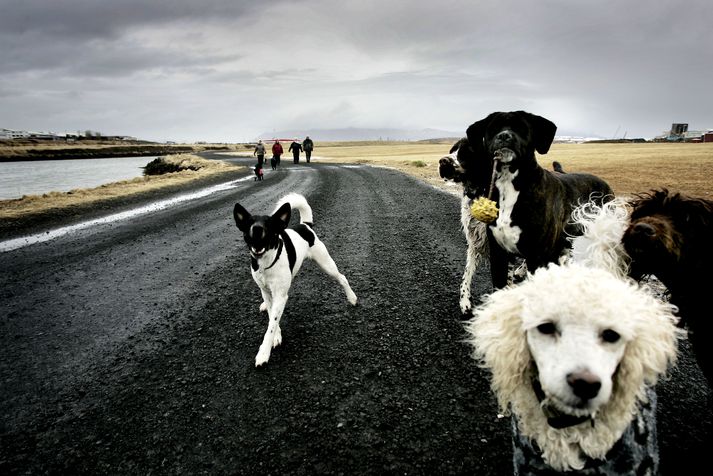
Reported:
(590, 66)
(88, 19)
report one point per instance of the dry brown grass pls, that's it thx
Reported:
(20, 149)
(629, 168)
(33, 204)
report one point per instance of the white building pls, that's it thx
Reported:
(9, 134)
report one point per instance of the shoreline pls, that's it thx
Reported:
(100, 152)
(47, 219)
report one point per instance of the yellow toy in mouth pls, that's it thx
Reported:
(484, 209)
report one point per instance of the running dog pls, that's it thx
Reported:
(276, 255)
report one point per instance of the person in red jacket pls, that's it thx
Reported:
(277, 151)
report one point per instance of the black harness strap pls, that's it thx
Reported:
(277, 255)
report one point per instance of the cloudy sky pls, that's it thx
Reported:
(228, 70)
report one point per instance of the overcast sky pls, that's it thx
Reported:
(226, 70)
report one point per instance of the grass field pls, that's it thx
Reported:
(629, 168)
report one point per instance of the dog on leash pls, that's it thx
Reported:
(534, 204)
(258, 172)
(574, 353)
(277, 252)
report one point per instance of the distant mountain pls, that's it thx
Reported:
(358, 134)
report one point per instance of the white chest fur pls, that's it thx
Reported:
(504, 232)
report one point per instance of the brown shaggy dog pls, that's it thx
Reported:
(670, 235)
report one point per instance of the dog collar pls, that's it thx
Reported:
(555, 418)
(277, 255)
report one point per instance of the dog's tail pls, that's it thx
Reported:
(557, 167)
(602, 230)
(298, 202)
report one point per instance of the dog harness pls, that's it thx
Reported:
(277, 255)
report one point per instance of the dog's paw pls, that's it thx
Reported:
(465, 306)
(277, 340)
(262, 356)
(263, 307)
(352, 298)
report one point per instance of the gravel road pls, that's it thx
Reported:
(129, 348)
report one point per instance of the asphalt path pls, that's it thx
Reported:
(128, 347)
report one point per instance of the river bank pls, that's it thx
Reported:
(34, 214)
(13, 152)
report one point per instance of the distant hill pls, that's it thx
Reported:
(358, 134)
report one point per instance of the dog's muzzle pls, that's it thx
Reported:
(504, 155)
(556, 418)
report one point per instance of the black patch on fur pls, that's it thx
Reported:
(253, 264)
(305, 233)
(291, 255)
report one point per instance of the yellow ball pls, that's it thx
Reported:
(484, 210)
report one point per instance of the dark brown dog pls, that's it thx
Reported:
(671, 237)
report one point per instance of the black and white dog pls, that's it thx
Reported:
(276, 255)
(534, 204)
(470, 167)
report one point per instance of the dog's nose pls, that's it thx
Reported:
(644, 229)
(584, 384)
(504, 137)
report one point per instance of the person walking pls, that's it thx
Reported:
(260, 152)
(295, 148)
(277, 151)
(307, 146)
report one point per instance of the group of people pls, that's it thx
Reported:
(296, 148)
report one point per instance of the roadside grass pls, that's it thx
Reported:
(628, 168)
(35, 204)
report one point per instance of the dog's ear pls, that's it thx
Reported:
(500, 344)
(543, 132)
(654, 347)
(282, 216)
(476, 131)
(243, 219)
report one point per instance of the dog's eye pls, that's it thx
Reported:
(547, 328)
(610, 336)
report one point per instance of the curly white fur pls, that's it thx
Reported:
(602, 230)
(567, 294)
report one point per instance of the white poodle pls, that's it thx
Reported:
(573, 351)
